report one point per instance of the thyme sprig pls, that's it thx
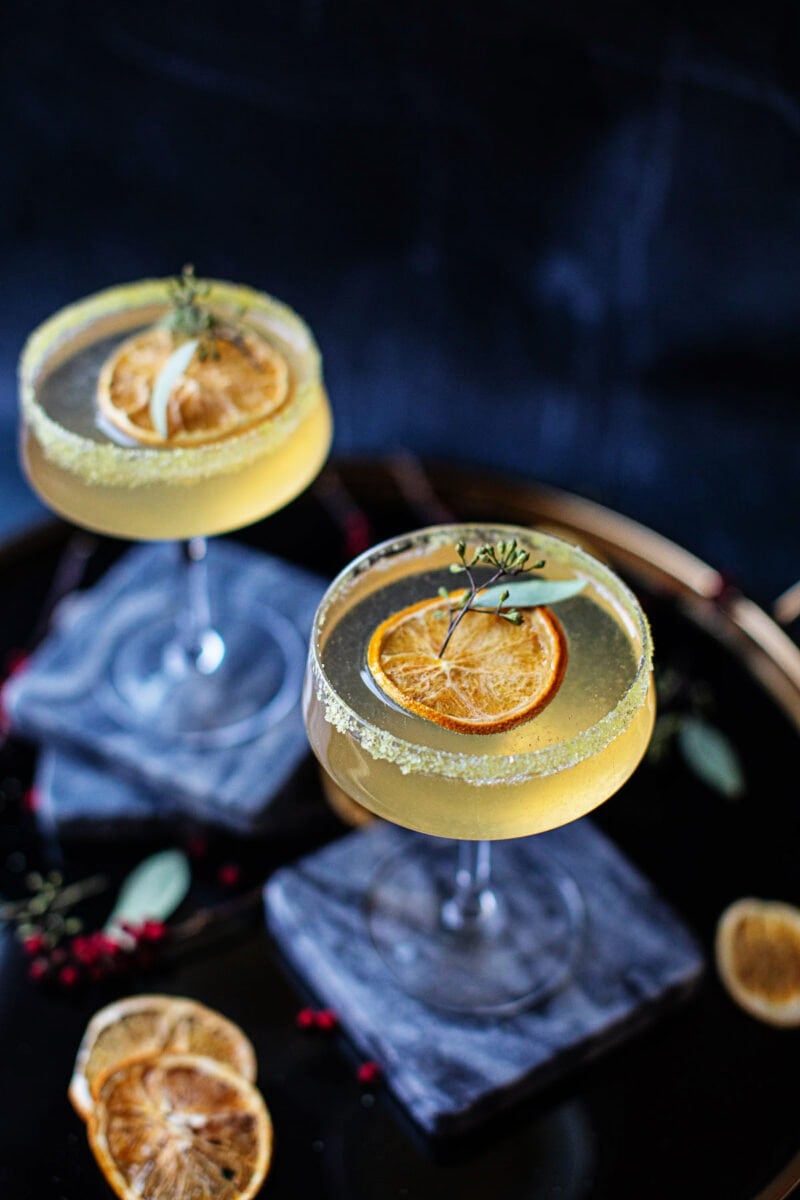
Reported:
(506, 560)
(41, 915)
(191, 318)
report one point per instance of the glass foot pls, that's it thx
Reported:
(518, 947)
(242, 677)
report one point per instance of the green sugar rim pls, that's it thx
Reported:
(136, 466)
(483, 769)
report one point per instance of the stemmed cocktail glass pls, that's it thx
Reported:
(498, 924)
(240, 374)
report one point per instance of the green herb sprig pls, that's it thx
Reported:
(41, 915)
(507, 560)
(189, 317)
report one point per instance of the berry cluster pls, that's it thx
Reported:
(95, 956)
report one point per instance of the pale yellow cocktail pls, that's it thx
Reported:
(92, 474)
(542, 773)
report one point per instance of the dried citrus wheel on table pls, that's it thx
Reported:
(161, 390)
(493, 676)
(143, 1026)
(180, 1126)
(758, 958)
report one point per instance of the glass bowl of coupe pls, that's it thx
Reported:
(478, 683)
(175, 409)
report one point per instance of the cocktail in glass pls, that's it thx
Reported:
(503, 930)
(202, 679)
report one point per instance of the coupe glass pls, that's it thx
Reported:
(496, 924)
(201, 660)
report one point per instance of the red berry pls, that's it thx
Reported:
(31, 801)
(106, 946)
(68, 976)
(34, 944)
(85, 950)
(326, 1019)
(152, 931)
(368, 1072)
(305, 1018)
(38, 970)
(229, 874)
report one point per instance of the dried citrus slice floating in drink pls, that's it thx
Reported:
(180, 1125)
(758, 958)
(233, 379)
(142, 1026)
(493, 676)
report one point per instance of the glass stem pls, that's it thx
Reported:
(473, 905)
(201, 646)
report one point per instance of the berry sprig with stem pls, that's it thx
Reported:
(507, 560)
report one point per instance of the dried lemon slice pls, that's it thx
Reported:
(180, 1125)
(142, 1026)
(232, 381)
(494, 675)
(758, 958)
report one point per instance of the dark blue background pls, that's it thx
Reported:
(561, 241)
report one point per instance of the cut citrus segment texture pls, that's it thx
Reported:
(234, 381)
(144, 1026)
(180, 1126)
(493, 675)
(758, 958)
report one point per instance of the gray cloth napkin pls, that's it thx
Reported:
(62, 699)
(78, 798)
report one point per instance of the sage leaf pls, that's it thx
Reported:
(711, 756)
(152, 891)
(528, 593)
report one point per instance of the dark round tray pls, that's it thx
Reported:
(701, 1104)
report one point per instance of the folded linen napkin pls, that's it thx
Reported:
(83, 799)
(65, 698)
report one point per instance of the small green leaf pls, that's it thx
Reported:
(711, 756)
(528, 593)
(153, 890)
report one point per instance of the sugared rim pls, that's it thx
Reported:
(484, 769)
(108, 462)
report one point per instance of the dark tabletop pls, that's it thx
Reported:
(699, 1105)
